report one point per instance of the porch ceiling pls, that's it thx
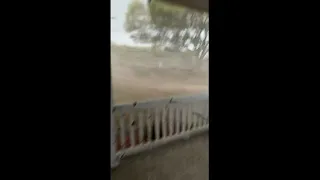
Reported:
(201, 5)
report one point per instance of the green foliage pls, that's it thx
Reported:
(164, 15)
(160, 24)
(137, 16)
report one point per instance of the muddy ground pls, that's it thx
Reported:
(140, 74)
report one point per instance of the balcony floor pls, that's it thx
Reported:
(181, 160)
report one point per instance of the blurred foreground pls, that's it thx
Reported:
(183, 160)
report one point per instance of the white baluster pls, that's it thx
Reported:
(149, 124)
(141, 127)
(184, 118)
(114, 161)
(178, 121)
(189, 117)
(132, 130)
(171, 119)
(164, 122)
(157, 123)
(122, 131)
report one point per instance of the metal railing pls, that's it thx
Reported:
(144, 125)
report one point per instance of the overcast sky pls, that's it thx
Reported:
(118, 11)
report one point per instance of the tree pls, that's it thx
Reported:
(169, 27)
(137, 16)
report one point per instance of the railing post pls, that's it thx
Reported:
(114, 159)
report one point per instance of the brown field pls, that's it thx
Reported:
(136, 74)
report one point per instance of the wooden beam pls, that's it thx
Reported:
(201, 5)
